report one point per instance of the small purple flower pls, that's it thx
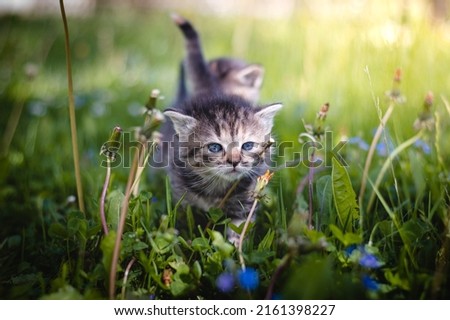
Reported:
(248, 279)
(225, 282)
(368, 260)
(370, 283)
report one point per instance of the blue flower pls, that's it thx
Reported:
(384, 149)
(349, 250)
(359, 142)
(225, 282)
(385, 146)
(368, 260)
(248, 279)
(420, 144)
(370, 283)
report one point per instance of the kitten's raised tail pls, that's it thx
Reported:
(195, 65)
(185, 26)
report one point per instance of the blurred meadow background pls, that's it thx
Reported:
(345, 53)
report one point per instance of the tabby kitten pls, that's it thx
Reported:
(217, 141)
(225, 75)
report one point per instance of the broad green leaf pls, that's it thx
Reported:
(347, 238)
(145, 196)
(413, 231)
(162, 242)
(107, 247)
(337, 233)
(238, 229)
(115, 199)
(215, 214)
(200, 244)
(314, 236)
(214, 263)
(224, 247)
(182, 279)
(396, 280)
(139, 245)
(77, 226)
(259, 257)
(57, 230)
(344, 197)
(197, 270)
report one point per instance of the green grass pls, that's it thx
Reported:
(48, 249)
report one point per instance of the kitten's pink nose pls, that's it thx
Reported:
(234, 157)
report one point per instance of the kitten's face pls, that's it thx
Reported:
(231, 152)
(224, 143)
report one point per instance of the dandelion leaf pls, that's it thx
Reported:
(344, 197)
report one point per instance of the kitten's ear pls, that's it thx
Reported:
(219, 67)
(267, 114)
(251, 76)
(182, 123)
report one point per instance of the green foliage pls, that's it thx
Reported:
(344, 197)
(50, 250)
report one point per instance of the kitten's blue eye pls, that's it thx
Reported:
(214, 147)
(248, 146)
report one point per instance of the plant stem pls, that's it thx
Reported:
(371, 153)
(143, 157)
(283, 265)
(244, 231)
(310, 192)
(134, 167)
(73, 125)
(103, 197)
(125, 276)
(116, 252)
(387, 163)
(132, 181)
(228, 194)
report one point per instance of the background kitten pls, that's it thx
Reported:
(217, 141)
(224, 75)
